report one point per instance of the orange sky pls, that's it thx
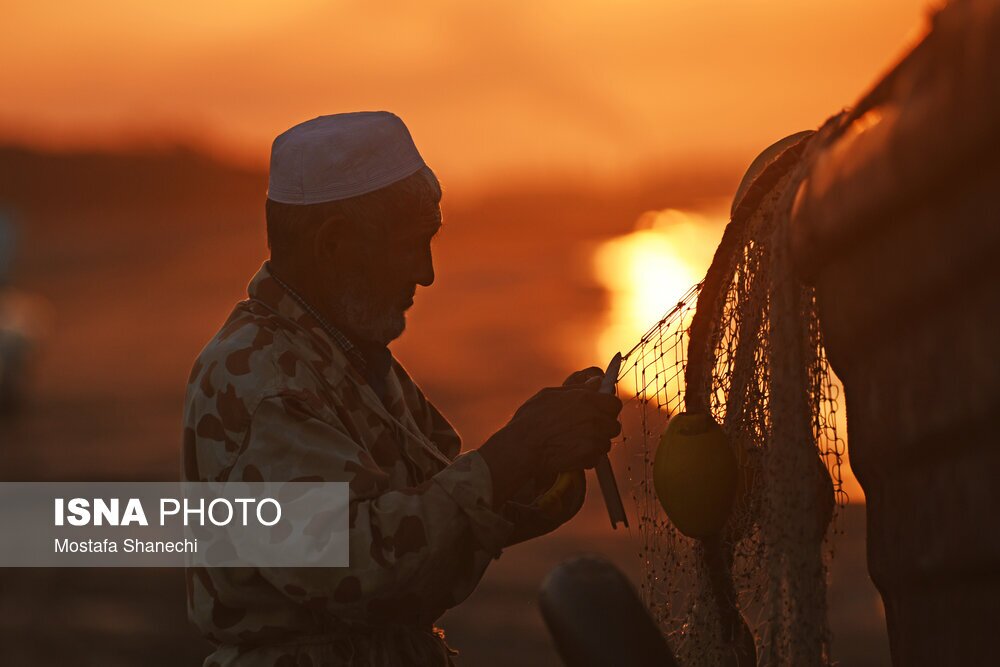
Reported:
(600, 88)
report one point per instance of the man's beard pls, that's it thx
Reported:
(365, 313)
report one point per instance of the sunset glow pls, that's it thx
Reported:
(647, 271)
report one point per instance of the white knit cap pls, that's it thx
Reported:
(340, 156)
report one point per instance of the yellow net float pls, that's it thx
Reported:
(696, 475)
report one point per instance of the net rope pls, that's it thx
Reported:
(745, 346)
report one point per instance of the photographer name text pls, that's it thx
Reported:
(128, 546)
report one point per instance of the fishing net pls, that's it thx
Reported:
(744, 346)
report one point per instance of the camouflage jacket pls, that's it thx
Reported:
(272, 397)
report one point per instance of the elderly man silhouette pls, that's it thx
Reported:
(299, 384)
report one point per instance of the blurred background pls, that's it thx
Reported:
(588, 152)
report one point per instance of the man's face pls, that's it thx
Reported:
(374, 285)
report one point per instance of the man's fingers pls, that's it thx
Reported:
(580, 409)
(576, 448)
(608, 404)
(600, 450)
(583, 376)
(607, 428)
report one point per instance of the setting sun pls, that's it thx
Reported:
(648, 270)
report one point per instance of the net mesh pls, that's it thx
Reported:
(745, 346)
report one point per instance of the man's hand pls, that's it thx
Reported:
(559, 429)
(566, 428)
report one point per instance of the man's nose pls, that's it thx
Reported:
(424, 270)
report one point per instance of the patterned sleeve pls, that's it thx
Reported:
(540, 506)
(425, 544)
